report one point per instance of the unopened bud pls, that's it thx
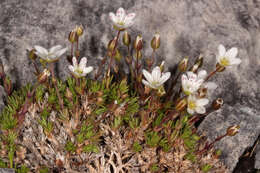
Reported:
(68, 94)
(183, 64)
(202, 92)
(233, 130)
(181, 104)
(8, 85)
(219, 68)
(199, 61)
(155, 43)
(2, 70)
(126, 38)
(138, 44)
(118, 56)
(32, 54)
(79, 30)
(138, 54)
(162, 66)
(111, 45)
(42, 78)
(217, 103)
(129, 59)
(194, 68)
(72, 36)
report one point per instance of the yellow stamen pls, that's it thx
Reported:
(191, 104)
(224, 61)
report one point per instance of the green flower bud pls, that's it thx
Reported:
(126, 38)
(73, 36)
(138, 44)
(183, 64)
(32, 54)
(155, 43)
(79, 30)
(111, 45)
(118, 56)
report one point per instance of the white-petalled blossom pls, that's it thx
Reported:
(51, 55)
(122, 20)
(155, 79)
(80, 70)
(227, 58)
(196, 104)
(192, 82)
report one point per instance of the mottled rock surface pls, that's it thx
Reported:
(187, 28)
(257, 156)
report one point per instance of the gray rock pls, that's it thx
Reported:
(187, 28)
(2, 95)
(232, 147)
(5, 170)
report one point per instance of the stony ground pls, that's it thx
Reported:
(187, 28)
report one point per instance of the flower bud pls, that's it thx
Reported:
(183, 64)
(129, 59)
(217, 103)
(118, 56)
(219, 68)
(111, 45)
(138, 54)
(8, 85)
(2, 71)
(72, 36)
(194, 68)
(138, 44)
(162, 66)
(149, 62)
(32, 54)
(181, 104)
(79, 30)
(42, 78)
(155, 43)
(126, 38)
(202, 92)
(199, 61)
(233, 130)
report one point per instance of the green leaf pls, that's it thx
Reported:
(205, 168)
(137, 147)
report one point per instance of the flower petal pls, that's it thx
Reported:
(129, 19)
(120, 14)
(190, 111)
(88, 69)
(210, 85)
(232, 53)
(60, 52)
(200, 110)
(235, 61)
(202, 102)
(113, 17)
(41, 50)
(147, 75)
(55, 49)
(83, 63)
(202, 74)
(156, 73)
(71, 68)
(74, 61)
(165, 77)
(221, 50)
(192, 76)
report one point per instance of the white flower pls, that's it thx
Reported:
(155, 79)
(52, 55)
(80, 70)
(227, 58)
(192, 82)
(122, 20)
(196, 105)
(209, 85)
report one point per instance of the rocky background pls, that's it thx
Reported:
(187, 28)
